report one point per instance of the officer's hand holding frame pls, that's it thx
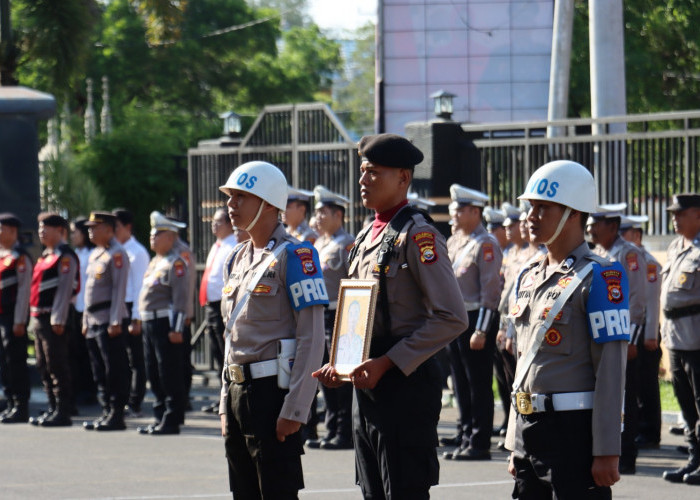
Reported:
(352, 332)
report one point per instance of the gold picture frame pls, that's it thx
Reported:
(352, 331)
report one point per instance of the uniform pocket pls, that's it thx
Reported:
(264, 303)
(686, 276)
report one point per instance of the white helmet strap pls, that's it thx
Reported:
(257, 216)
(564, 217)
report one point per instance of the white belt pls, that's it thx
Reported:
(236, 373)
(526, 403)
(472, 306)
(157, 314)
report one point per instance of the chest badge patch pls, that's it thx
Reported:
(263, 289)
(307, 260)
(682, 279)
(227, 290)
(612, 279)
(515, 310)
(552, 337)
(564, 282)
(546, 310)
(426, 245)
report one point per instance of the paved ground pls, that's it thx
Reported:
(70, 463)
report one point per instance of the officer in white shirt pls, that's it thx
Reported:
(138, 263)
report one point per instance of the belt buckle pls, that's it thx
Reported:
(523, 403)
(235, 373)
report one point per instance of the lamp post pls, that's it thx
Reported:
(443, 104)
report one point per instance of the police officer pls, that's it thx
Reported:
(138, 263)
(163, 305)
(398, 389)
(210, 289)
(296, 212)
(570, 319)
(55, 280)
(680, 302)
(648, 397)
(15, 283)
(333, 248)
(477, 266)
(420, 203)
(494, 219)
(272, 302)
(105, 310)
(604, 228)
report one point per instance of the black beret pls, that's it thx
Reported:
(10, 219)
(389, 150)
(683, 201)
(101, 218)
(52, 219)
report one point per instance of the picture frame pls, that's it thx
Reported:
(352, 330)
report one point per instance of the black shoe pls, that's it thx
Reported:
(627, 468)
(44, 414)
(683, 450)
(114, 424)
(501, 446)
(315, 444)
(692, 478)
(455, 440)
(499, 431)
(212, 408)
(337, 443)
(472, 454)
(449, 455)
(57, 419)
(145, 430)
(644, 443)
(17, 415)
(676, 476)
(90, 425)
(677, 430)
(160, 430)
(132, 411)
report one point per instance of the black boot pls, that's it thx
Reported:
(18, 414)
(113, 422)
(677, 475)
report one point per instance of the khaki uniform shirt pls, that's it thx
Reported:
(653, 295)
(267, 317)
(107, 276)
(425, 305)
(166, 286)
(513, 261)
(632, 259)
(183, 249)
(304, 233)
(23, 269)
(477, 266)
(681, 288)
(333, 253)
(568, 359)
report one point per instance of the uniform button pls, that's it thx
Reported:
(296, 413)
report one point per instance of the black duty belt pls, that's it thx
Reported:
(99, 306)
(681, 312)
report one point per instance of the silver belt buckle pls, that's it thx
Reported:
(235, 373)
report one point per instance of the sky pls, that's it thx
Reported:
(342, 14)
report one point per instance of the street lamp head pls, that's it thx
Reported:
(232, 123)
(443, 104)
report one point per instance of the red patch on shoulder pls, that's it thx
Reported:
(350, 246)
(187, 257)
(21, 264)
(426, 246)
(306, 256)
(179, 268)
(632, 262)
(65, 265)
(652, 273)
(118, 260)
(487, 249)
(613, 281)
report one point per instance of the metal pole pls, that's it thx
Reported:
(562, 34)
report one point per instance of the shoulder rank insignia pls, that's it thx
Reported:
(426, 245)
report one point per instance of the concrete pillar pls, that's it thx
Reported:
(560, 69)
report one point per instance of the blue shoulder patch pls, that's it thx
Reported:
(305, 284)
(608, 304)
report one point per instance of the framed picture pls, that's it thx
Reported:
(352, 332)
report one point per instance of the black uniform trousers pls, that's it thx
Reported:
(137, 363)
(339, 400)
(557, 457)
(52, 363)
(476, 367)
(504, 370)
(259, 466)
(215, 330)
(630, 428)
(685, 377)
(110, 367)
(395, 433)
(648, 397)
(187, 367)
(164, 367)
(84, 389)
(13, 361)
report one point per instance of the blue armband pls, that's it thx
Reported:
(608, 304)
(305, 284)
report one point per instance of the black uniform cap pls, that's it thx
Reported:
(101, 218)
(10, 219)
(389, 150)
(52, 219)
(683, 201)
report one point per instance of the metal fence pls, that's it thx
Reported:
(306, 141)
(657, 157)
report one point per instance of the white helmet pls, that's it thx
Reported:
(565, 182)
(260, 178)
